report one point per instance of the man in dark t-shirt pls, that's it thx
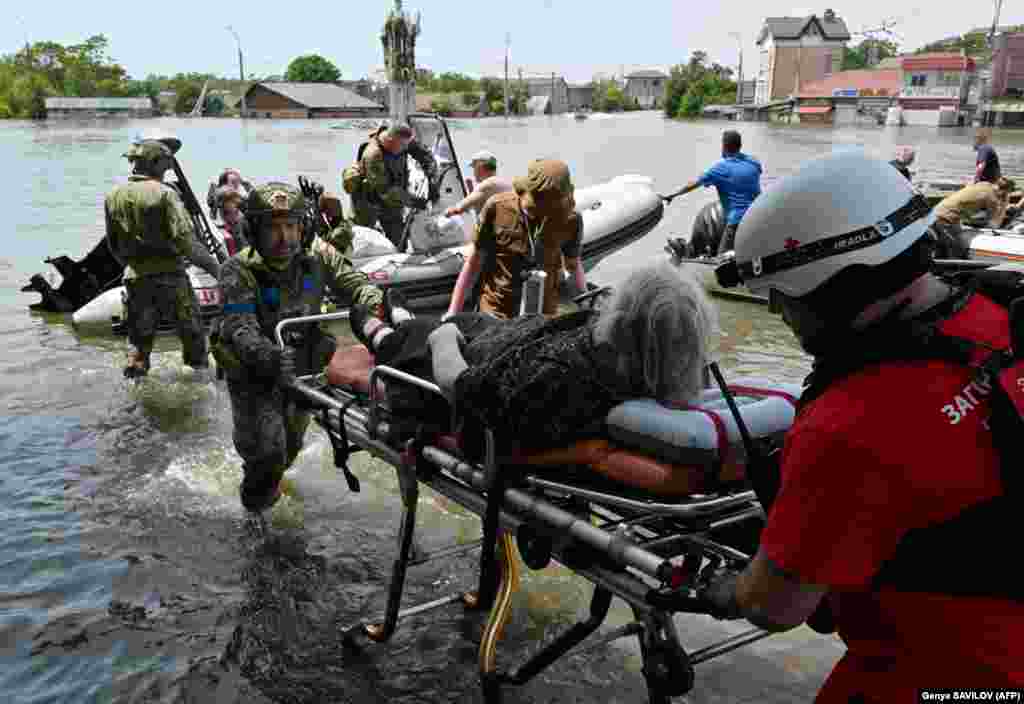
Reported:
(987, 162)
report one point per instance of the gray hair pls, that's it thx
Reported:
(660, 323)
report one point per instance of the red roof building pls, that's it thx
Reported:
(937, 61)
(854, 84)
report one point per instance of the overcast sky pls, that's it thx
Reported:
(573, 38)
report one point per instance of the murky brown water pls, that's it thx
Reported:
(127, 573)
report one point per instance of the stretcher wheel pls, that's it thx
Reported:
(534, 548)
(668, 671)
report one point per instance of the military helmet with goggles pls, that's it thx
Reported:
(276, 199)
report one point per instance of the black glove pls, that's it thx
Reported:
(417, 203)
(718, 592)
(434, 192)
(286, 371)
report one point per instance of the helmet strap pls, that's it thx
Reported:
(840, 300)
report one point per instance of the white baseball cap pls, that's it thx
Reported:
(483, 155)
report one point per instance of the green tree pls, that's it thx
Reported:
(493, 89)
(312, 68)
(857, 57)
(441, 105)
(470, 100)
(214, 105)
(187, 95)
(675, 89)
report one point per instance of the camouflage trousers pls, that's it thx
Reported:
(367, 214)
(269, 432)
(159, 300)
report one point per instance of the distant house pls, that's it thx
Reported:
(307, 100)
(64, 108)
(581, 96)
(646, 88)
(1008, 66)
(555, 89)
(797, 50)
(933, 84)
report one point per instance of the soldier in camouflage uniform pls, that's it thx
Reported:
(150, 232)
(281, 275)
(383, 192)
(339, 229)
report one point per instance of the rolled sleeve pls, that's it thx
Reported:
(483, 235)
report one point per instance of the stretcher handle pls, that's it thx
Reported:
(302, 319)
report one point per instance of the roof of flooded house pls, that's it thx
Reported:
(98, 104)
(320, 95)
(940, 60)
(794, 27)
(864, 81)
(647, 74)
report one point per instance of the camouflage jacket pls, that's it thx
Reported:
(147, 227)
(257, 297)
(340, 237)
(386, 177)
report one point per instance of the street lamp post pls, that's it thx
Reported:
(241, 69)
(739, 83)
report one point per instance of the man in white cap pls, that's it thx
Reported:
(485, 171)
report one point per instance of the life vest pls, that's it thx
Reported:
(959, 556)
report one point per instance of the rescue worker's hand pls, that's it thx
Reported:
(286, 373)
(451, 212)
(718, 592)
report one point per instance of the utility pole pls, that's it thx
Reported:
(508, 43)
(241, 70)
(739, 82)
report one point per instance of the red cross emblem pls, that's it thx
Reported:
(791, 243)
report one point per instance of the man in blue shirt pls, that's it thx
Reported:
(986, 167)
(738, 180)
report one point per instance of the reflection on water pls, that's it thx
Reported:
(127, 570)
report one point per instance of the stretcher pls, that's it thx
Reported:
(640, 513)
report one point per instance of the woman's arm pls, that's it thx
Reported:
(470, 269)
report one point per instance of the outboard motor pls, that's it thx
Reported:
(708, 229)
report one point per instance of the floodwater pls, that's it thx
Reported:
(126, 572)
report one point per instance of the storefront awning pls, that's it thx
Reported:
(814, 109)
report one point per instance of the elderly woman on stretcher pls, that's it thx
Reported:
(542, 383)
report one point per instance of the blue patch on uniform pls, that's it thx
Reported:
(308, 283)
(230, 308)
(271, 296)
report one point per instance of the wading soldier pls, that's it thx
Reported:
(150, 232)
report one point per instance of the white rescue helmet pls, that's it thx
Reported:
(839, 210)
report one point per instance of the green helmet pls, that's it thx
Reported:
(276, 198)
(268, 200)
(148, 150)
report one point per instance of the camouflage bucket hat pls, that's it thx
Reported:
(147, 150)
(545, 175)
(276, 197)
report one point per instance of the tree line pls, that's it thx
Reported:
(696, 84)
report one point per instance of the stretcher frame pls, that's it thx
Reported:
(648, 553)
